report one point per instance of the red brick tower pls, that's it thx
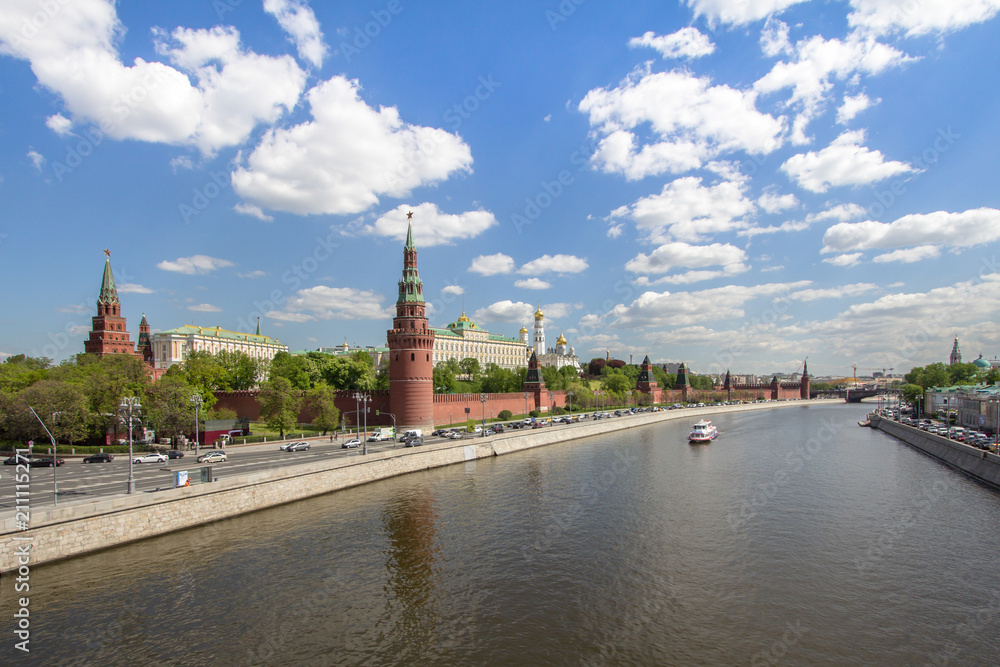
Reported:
(144, 346)
(806, 383)
(109, 334)
(411, 348)
(646, 382)
(534, 384)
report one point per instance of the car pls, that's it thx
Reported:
(297, 447)
(175, 454)
(20, 459)
(214, 456)
(152, 457)
(376, 437)
(287, 447)
(412, 441)
(45, 462)
(353, 442)
(99, 458)
(455, 435)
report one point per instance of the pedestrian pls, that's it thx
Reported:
(331, 437)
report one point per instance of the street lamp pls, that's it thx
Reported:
(55, 459)
(525, 404)
(363, 398)
(482, 397)
(197, 400)
(129, 410)
(569, 397)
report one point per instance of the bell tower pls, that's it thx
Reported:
(411, 347)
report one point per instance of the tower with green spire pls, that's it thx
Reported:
(108, 331)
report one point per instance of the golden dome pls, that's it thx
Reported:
(463, 318)
(524, 329)
(538, 313)
(561, 340)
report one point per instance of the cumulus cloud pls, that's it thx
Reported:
(908, 255)
(614, 231)
(957, 230)
(134, 288)
(75, 56)
(453, 289)
(685, 43)
(845, 260)
(840, 212)
(196, 264)
(205, 308)
(346, 157)
(844, 162)
(59, 124)
(532, 283)
(852, 106)
(691, 121)
(686, 210)
(920, 18)
(678, 254)
(738, 12)
(518, 311)
(554, 264)
(774, 38)
(331, 303)
(832, 292)
(771, 202)
(492, 265)
(298, 20)
(431, 227)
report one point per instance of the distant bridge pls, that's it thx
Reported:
(852, 395)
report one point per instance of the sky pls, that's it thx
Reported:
(738, 184)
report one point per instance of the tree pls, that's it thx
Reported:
(932, 375)
(167, 406)
(504, 415)
(913, 394)
(595, 366)
(240, 371)
(205, 374)
(295, 369)
(110, 379)
(444, 380)
(279, 404)
(499, 380)
(320, 402)
(470, 369)
(18, 372)
(962, 373)
(61, 405)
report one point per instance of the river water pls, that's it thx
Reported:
(795, 538)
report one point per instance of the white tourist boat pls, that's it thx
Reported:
(703, 431)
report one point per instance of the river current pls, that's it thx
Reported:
(794, 538)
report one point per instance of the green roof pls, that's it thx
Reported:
(452, 331)
(218, 332)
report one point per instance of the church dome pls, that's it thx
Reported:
(981, 363)
(524, 329)
(561, 340)
(463, 318)
(538, 313)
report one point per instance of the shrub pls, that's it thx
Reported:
(505, 415)
(558, 410)
(534, 413)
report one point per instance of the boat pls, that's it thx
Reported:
(703, 431)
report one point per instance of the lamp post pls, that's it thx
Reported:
(551, 396)
(129, 410)
(363, 398)
(569, 397)
(525, 404)
(482, 397)
(55, 488)
(197, 400)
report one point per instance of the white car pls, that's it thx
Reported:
(212, 457)
(291, 446)
(353, 442)
(151, 458)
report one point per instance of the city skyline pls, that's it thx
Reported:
(731, 184)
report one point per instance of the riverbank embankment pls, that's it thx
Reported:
(59, 532)
(984, 466)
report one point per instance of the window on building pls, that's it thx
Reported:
(413, 357)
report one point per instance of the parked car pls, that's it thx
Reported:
(45, 462)
(99, 458)
(214, 456)
(353, 442)
(298, 447)
(175, 454)
(152, 457)
(16, 460)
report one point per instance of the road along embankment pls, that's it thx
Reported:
(58, 532)
(984, 466)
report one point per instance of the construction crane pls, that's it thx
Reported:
(855, 367)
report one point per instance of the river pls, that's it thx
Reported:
(794, 538)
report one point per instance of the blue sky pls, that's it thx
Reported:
(733, 183)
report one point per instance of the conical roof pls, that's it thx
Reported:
(109, 293)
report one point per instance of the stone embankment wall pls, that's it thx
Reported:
(984, 466)
(71, 530)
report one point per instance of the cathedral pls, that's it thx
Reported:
(559, 356)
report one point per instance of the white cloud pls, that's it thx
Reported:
(205, 308)
(346, 157)
(298, 20)
(76, 310)
(75, 56)
(196, 264)
(79, 329)
(685, 43)
(686, 210)
(453, 289)
(774, 38)
(676, 254)
(554, 264)
(252, 211)
(843, 162)
(849, 259)
(832, 292)
(181, 162)
(491, 265)
(614, 231)
(431, 227)
(331, 303)
(257, 273)
(505, 311)
(957, 230)
(691, 122)
(771, 202)
(788, 226)
(37, 159)
(852, 106)
(738, 12)
(59, 124)
(134, 288)
(841, 212)
(532, 283)
(908, 255)
(920, 18)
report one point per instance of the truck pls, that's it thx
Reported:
(382, 433)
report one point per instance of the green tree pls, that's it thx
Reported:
(61, 405)
(279, 404)
(470, 368)
(499, 380)
(240, 371)
(320, 402)
(444, 380)
(931, 375)
(167, 406)
(913, 394)
(18, 372)
(110, 379)
(962, 373)
(504, 415)
(293, 368)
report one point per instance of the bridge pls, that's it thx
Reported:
(853, 395)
